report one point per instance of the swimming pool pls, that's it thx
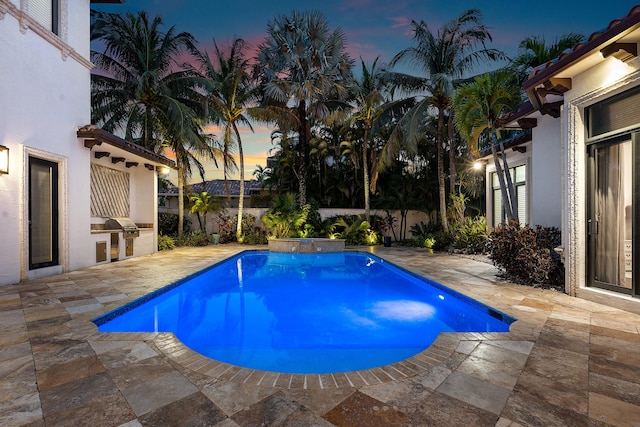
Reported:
(305, 313)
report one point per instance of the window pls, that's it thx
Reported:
(519, 178)
(46, 12)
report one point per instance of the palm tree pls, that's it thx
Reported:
(478, 105)
(302, 64)
(372, 111)
(444, 57)
(201, 204)
(534, 51)
(140, 91)
(230, 92)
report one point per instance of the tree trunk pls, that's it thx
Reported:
(365, 169)
(453, 174)
(503, 190)
(180, 199)
(441, 187)
(303, 141)
(241, 197)
(510, 188)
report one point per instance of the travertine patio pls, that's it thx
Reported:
(566, 361)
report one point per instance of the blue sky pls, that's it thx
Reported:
(373, 27)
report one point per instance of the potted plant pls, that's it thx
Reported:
(386, 225)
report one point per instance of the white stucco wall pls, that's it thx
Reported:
(44, 97)
(608, 78)
(545, 170)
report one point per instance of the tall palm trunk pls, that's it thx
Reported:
(181, 181)
(303, 141)
(441, 187)
(241, 198)
(499, 171)
(365, 170)
(453, 175)
(510, 188)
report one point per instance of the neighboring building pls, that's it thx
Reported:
(65, 179)
(582, 167)
(256, 200)
(168, 199)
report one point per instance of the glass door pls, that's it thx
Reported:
(611, 222)
(43, 213)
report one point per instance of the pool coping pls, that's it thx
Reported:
(439, 352)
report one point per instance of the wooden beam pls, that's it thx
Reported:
(90, 143)
(131, 164)
(150, 167)
(559, 84)
(101, 154)
(117, 159)
(552, 108)
(528, 122)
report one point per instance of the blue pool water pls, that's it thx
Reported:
(305, 313)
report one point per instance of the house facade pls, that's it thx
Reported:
(582, 166)
(57, 193)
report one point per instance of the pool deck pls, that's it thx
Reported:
(566, 361)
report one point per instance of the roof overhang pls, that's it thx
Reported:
(93, 136)
(548, 82)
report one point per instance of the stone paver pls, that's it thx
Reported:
(565, 361)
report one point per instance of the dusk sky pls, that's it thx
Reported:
(373, 28)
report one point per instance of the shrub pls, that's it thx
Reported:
(527, 255)
(353, 229)
(168, 224)
(194, 238)
(226, 227)
(165, 242)
(470, 234)
(285, 218)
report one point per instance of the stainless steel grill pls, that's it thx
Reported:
(128, 227)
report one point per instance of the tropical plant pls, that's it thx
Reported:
(355, 230)
(478, 106)
(201, 204)
(534, 51)
(285, 218)
(526, 255)
(165, 243)
(373, 111)
(444, 57)
(304, 65)
(140, 90)
(193, 238)
(230, 91)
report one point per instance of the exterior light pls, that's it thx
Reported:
(477, 166)
(4, 159)
(163, 170)
(622, 51)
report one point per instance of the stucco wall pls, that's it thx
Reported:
(545, 184)
(45, 95)
(600, 82)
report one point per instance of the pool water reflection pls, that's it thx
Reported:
(305, 313)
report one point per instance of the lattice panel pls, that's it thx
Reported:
(109, 192)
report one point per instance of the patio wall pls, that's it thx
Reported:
(413, 217)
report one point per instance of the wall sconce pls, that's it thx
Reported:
(622, 51)
(4, 159)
